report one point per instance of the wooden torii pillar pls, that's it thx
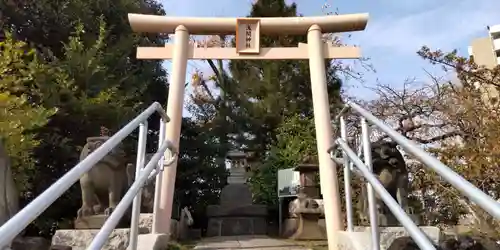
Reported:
(248, 31)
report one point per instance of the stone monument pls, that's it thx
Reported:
(9, 196)
(236, 215)
(9, 206)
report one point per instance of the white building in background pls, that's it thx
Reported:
(495, 36)
(486, 52)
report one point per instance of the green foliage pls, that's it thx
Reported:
(89, 74)
(295, 139)
(97, 99)
(96, 91)
(201, 172)
(20, 70)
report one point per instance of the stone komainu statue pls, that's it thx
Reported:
(390, 168)
(105, 184)
(9, 196)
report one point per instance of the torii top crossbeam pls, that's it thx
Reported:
(268, 25)
(248, 31)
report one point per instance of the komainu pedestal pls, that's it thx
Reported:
(236, 215)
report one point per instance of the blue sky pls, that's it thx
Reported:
(396, 30)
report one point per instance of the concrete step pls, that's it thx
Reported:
(248, 242)
(360, 239)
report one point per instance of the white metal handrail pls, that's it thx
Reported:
(365, 169)
(23, 218)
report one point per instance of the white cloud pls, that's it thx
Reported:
(443, 26)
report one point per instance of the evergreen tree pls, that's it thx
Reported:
(18, 115)
(261, 102)
(271, 91)
(91, 45)
(271, 105)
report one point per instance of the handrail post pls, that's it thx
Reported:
(103, 235)
(159, 178)
(367, 152)
(413, 230)
(139, 165)
(347, 178)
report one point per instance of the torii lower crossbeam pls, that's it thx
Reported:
(290, 53)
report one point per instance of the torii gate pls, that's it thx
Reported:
(248, 31)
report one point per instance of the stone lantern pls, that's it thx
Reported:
(236, 214)
(238, 167)
(306, 212)
(308, 173)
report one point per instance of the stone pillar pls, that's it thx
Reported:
(324, 135)
(162, 216)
